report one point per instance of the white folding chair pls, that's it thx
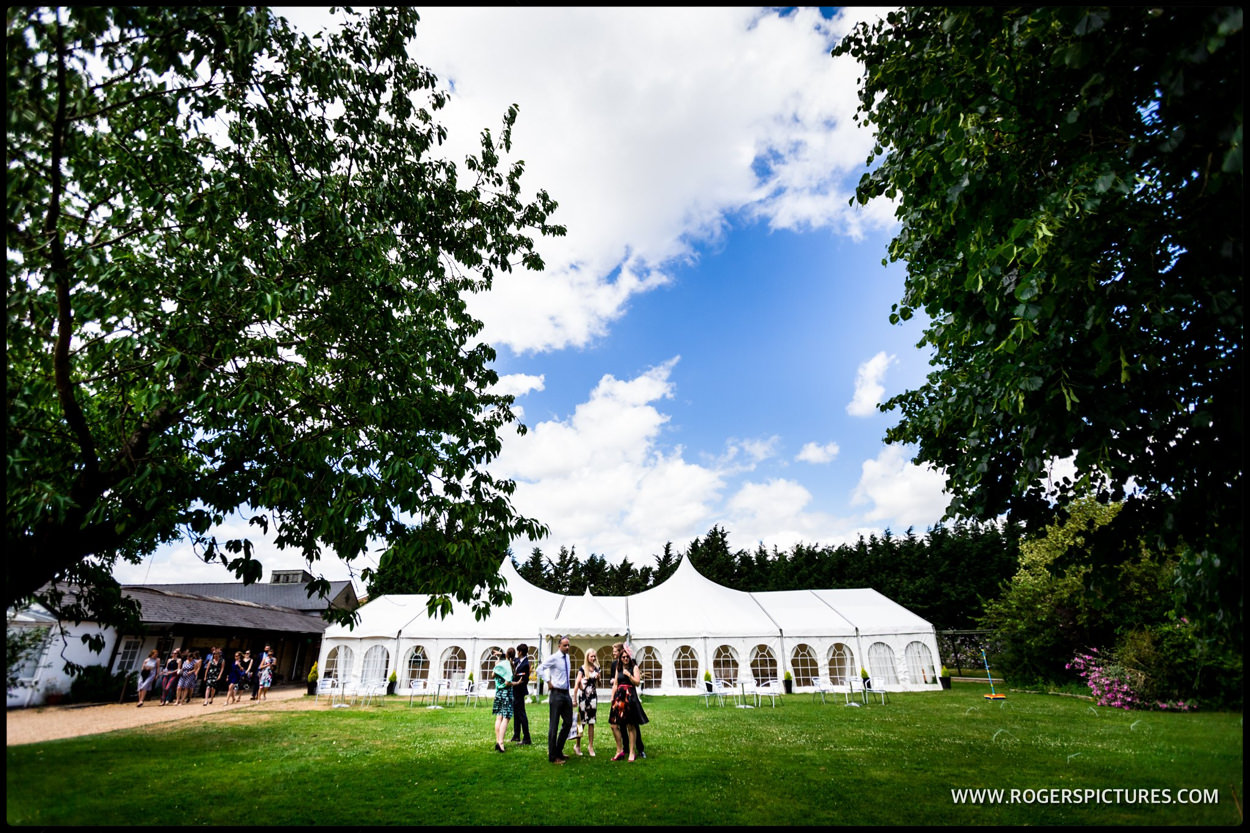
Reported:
(462, 687)
(856, 685)
(771, 689)
(371, 691)
(820, 688)
(715, 689)
(417, 688)
(476, 691)
(330, 688)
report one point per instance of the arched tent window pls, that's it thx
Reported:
(803, 661)
(576, 657)
(763, 664)
(339, 663)
(454, 663)
(686, 667)
(652, 670)
(486, 668)
(374, 667)
(919, 663)
(604, 655)
(418, 666)
(881, 665)
(841, 664)
(725, 664)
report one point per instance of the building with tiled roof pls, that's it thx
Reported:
(286, 588)
(200, 616)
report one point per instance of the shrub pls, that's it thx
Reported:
(94, 684)
(1109, 681)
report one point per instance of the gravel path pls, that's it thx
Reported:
(53, 722)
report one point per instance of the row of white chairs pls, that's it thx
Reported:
(349, 692)
(720, 690)
(364, 692)
(855, 688)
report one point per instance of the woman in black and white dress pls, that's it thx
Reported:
(587, 694)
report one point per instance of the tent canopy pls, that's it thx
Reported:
(684, 622)
(688, 604)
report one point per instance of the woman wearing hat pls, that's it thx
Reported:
(626, 714)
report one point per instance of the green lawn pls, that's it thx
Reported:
(800, 763)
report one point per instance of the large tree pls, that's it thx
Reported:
(1069, 187)
(236, 277)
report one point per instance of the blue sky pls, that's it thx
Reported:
(708, 341)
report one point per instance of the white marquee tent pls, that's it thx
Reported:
(679, 629)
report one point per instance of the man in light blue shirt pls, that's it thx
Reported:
(555, 670)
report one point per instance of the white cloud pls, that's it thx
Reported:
(519, 384)
(605, 482)
(179, 564)
(868, 387)
(817, 453)
(768, 501)
(777, 514)
(899, 493)
(602, 480)
(651, 128)
(756, 450)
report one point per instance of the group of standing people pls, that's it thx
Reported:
(626, 714)
(181, 672)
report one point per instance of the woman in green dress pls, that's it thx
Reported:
(502, 709)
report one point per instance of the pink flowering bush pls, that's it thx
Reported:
(1111, 683)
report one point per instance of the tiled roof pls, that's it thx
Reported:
(166, 607)
(293, 596)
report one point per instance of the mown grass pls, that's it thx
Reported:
(800, 763)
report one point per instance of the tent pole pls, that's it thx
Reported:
(863, 660)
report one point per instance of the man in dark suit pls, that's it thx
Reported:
(521, 674)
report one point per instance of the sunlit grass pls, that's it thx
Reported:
(800, 763)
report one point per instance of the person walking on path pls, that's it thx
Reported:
(169, 678)
(254, 671)
(149, 674)
(234, 675)
(247, 677)
(186, 677)
(214, 670)
(264, 679)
